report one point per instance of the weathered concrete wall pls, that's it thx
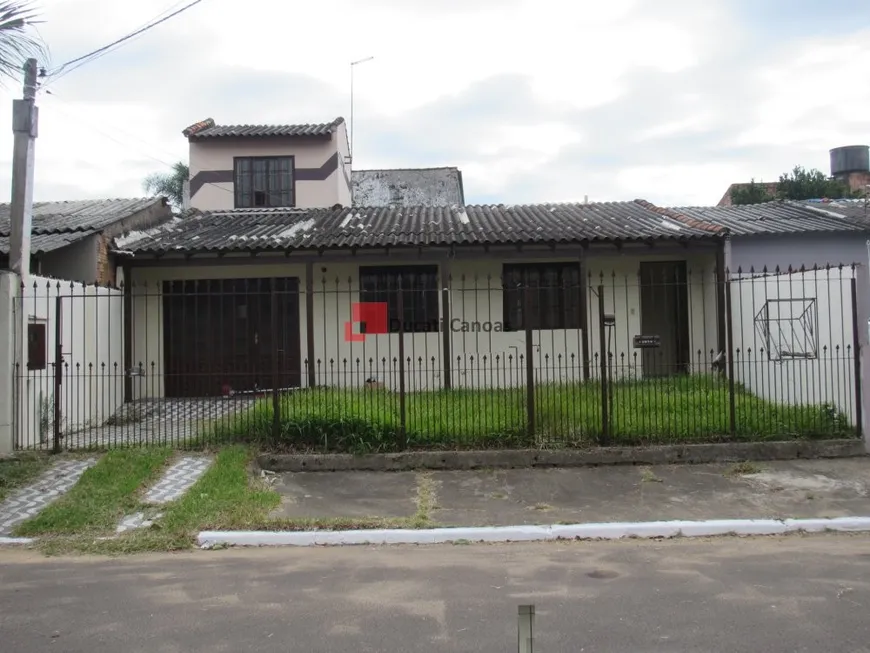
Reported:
(413, 187)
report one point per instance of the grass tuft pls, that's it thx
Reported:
(743, 468)
(20, 470)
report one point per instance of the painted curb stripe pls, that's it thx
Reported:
(605, 531)
(15, 540)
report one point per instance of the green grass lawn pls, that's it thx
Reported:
(19, 471)
(678, 409)
(105, 493)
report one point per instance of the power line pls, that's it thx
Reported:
(114, 128)
(64, 69)
(127, 144)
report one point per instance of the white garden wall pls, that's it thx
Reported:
(92, 347)
(793, 337)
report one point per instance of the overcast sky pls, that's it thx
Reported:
(535, 101)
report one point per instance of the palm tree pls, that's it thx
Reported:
(170, 184)
(16, 43)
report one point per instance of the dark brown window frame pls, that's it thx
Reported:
(268, 193)
(420, 291)
(552, 306)
(37, 345)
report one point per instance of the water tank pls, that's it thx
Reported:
(851, 158)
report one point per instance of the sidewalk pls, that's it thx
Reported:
(771, 490)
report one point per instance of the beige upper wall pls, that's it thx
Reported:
(218, 154)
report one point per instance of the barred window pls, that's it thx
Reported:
(263, 181)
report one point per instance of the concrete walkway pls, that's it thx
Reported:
(774, 490)
(28, 501)
(175, 481)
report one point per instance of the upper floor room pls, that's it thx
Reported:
(268, 166)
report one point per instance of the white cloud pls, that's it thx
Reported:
(670, 100)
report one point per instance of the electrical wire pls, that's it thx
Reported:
(124, 144)
(64, 69)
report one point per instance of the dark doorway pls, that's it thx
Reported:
(664, 312)
(230, 335)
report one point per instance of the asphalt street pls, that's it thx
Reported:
(800, 593)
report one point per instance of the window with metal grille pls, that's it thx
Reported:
(36, 346)
(788, 328)
(418, 285)
(546, 295)
(265, 181)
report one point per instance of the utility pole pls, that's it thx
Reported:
(25, 119)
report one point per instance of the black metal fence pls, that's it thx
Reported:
(399, 358)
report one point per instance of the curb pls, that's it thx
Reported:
(16, 541)
(600, 531)
(722, 452)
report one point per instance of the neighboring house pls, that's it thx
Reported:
(850, 165)
(268, 166)
(69, 240)
(408, 187)
(769, 188)
(799, 285)
(783, 234)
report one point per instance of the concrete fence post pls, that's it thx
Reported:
(9, 335)
(525, 628)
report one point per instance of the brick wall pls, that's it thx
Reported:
(150, 217)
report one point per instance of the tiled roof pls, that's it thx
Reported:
(208, 129)
(57, 224)
(280, 229)
(776, 217)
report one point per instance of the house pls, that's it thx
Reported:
(268, 166)
(274, 280)
(229, 293)
(408, 187)
(423, 298)
(70, 240)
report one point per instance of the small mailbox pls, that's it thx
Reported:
(647, 342)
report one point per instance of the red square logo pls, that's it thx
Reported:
(371, 314)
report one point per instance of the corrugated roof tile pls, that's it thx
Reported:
(57, 224)
(281, 229)
(777, 217)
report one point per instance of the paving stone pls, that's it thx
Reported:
(178, 479)
(30, 500)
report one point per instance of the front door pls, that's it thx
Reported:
(664, 312)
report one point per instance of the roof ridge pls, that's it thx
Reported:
(679, 217)
(198, 126)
